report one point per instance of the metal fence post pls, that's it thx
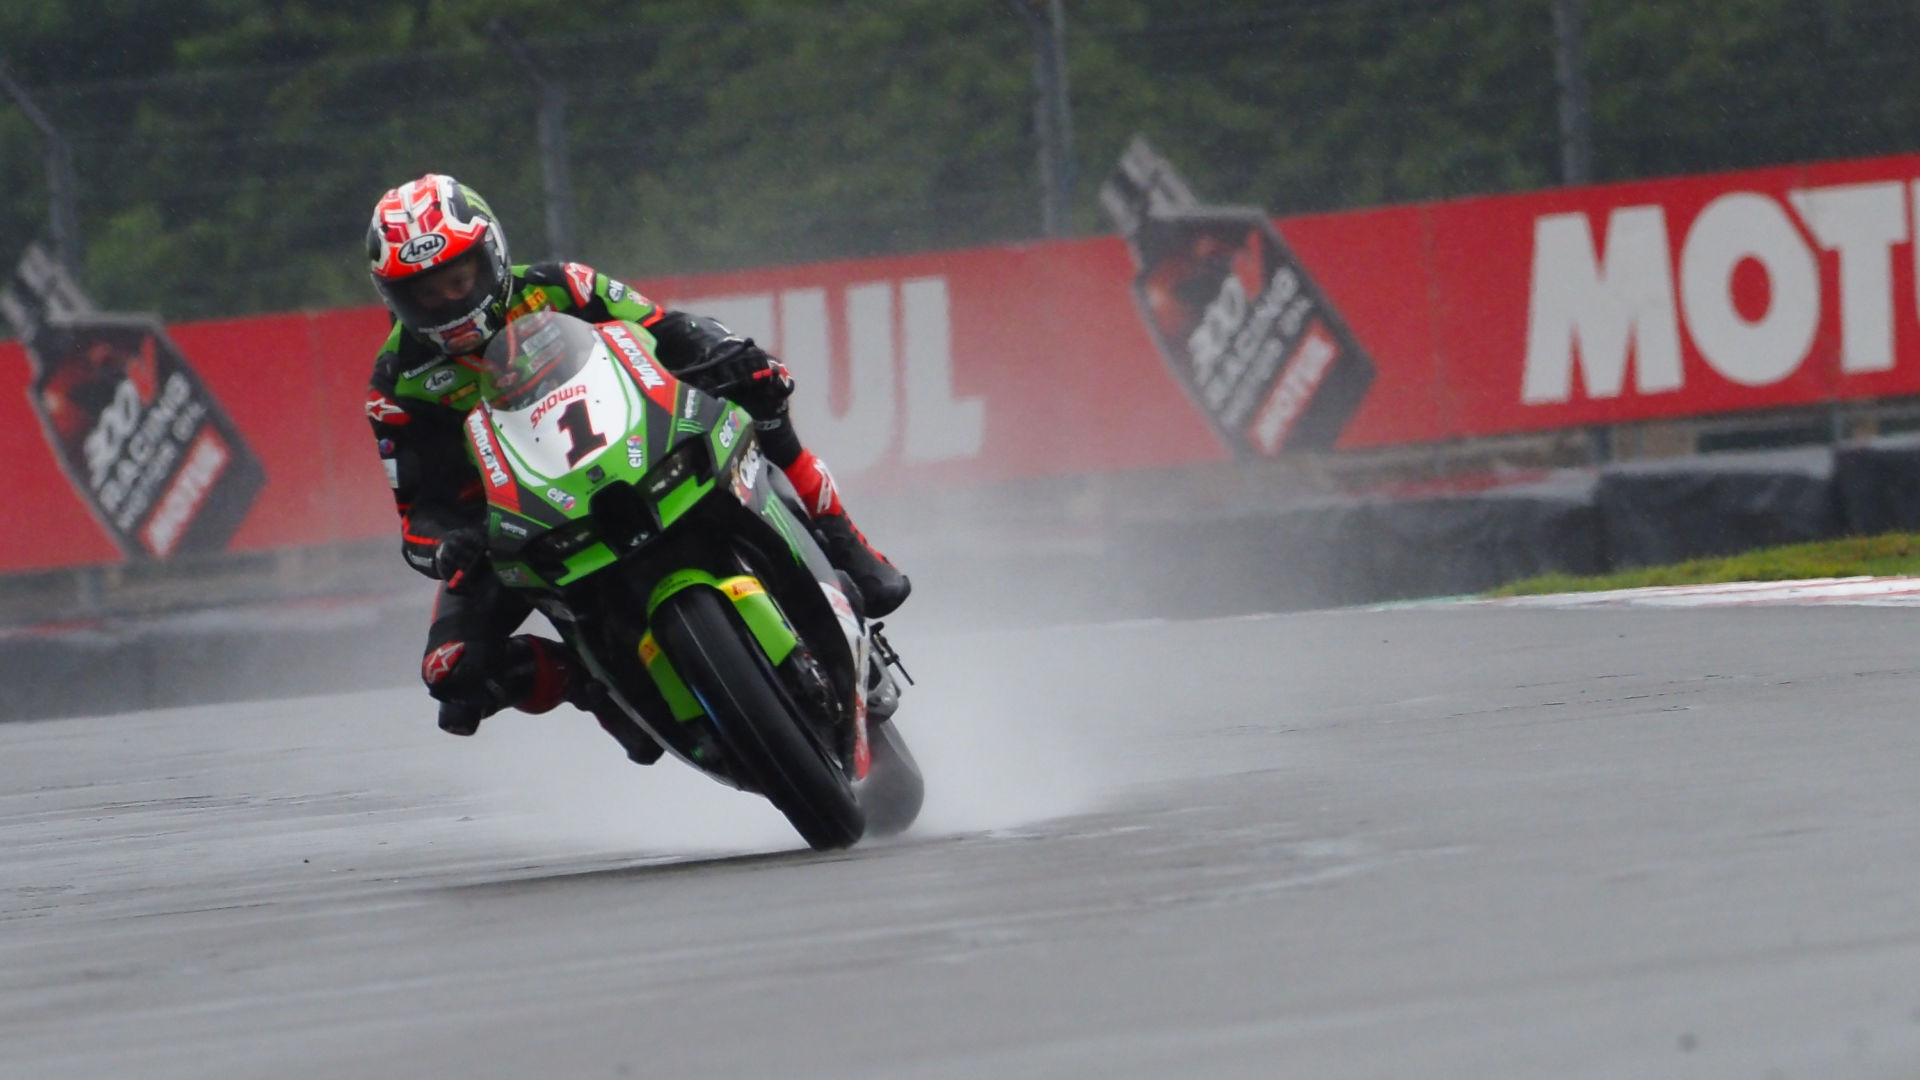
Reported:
(63, 221)
(1576, 135)
(552, 123)
(1052, 116)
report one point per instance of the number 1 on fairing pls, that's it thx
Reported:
(580, 434)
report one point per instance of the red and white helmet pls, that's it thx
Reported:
(439, 259)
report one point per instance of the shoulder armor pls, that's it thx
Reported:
(579, 279)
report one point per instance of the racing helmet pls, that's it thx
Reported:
(439, 259)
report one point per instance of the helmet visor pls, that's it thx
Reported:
(447, 294)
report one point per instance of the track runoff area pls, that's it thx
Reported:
(1526, 838)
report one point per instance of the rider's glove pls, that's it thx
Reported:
(460, 557)
(745, 372)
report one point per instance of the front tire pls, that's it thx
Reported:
(758, 726)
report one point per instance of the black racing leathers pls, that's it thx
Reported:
(417, 403)
(419, 396)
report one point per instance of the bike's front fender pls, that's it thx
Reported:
(757, 610)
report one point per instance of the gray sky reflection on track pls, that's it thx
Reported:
(1418, 843)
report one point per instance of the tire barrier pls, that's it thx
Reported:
(1298, 555)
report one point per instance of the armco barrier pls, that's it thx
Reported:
(1695, 296)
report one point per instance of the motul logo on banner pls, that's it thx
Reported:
(1744, 284)
(890, 342)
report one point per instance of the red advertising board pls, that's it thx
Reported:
(1681, 297)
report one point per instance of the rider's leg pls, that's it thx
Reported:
(882, 586)
(741, 371)
(474, 669)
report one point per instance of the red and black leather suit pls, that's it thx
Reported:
(417, 403)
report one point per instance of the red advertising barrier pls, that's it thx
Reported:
(1682, 297)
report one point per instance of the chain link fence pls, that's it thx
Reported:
(818, 130)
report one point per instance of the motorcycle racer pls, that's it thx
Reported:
(438, 258)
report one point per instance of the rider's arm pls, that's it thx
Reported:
(436, 488)
(683, 340)
(698, 349)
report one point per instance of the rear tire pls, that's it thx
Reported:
(757, 723)
(893, 790)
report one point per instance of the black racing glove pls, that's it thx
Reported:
(737, 369)
(460, 557)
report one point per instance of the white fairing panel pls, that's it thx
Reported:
(573, 424)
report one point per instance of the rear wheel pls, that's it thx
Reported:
(893, 790)
(758, 725)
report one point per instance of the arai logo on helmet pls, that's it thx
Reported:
(421, 248)
(441, 379)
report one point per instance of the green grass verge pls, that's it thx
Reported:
(1876, 556)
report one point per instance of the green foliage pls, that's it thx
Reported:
(1886, 555)
(230, 150)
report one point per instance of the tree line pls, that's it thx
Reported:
(229, 151)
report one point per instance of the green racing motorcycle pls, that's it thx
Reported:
(640, 516)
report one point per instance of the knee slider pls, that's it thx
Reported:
(456, 671)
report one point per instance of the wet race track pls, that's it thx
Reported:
(1449, 841)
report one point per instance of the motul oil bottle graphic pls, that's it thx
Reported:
(1236, 317)
(144, 443)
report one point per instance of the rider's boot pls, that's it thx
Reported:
(881, 585)
(559, 675)
(591, 695)
(461, 717)
(535, 675)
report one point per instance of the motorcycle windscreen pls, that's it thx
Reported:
(557, 396)
(531, 357)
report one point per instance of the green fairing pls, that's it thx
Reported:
(728, 438)
(757, 609)
(782, 520)
(680, 700)
(681, 499)
(597, 557)
(516, 574)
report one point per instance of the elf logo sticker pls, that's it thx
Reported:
(422, 248)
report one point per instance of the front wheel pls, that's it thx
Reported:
(757, 724)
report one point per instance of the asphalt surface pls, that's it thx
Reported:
(1461, 842)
